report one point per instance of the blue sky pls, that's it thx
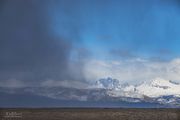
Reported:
(84, 40)
(143, 28)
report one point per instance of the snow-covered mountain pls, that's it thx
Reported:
(159, 87)
(155, 91)
(154, 88)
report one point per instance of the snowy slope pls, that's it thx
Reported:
(115, 89)
(159, 87)
(154, 88)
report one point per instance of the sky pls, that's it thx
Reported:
(85, 40)
(143, 28)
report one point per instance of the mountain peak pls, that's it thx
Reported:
(160, 82)
(159, 87)
(108, 83)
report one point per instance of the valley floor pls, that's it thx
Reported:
(89, 114)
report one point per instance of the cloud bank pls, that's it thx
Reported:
(134, 70)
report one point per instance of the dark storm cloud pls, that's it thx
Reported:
(27, 49)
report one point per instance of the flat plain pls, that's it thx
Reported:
(88, 114)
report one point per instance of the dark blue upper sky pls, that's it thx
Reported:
(124, 28)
